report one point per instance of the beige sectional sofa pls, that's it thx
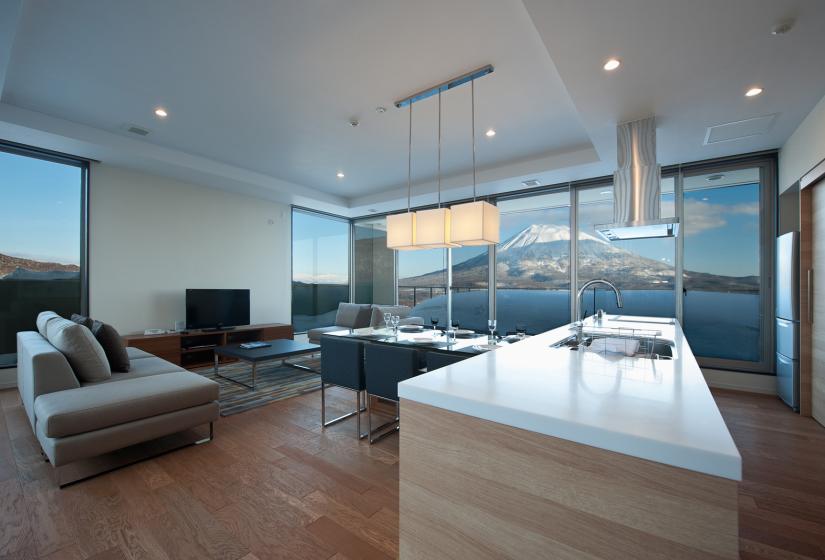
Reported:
(75, 419)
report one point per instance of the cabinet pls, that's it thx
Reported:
(195, 348)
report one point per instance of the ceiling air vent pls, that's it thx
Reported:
(531, 183)
(135, 129)
(738, 130)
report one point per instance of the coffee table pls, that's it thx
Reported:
(278, 350)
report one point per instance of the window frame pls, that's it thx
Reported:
(85, 178)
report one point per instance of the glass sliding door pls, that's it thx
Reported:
(533, 263)
(320, 268)
(373, 270)
(643, 269)
(725, 299)
(41, 242)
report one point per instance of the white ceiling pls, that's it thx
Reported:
(259, 98)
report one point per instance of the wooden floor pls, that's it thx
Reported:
(273, 485)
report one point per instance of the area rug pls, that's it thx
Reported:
(275, 382)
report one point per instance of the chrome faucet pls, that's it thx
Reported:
(610, 285)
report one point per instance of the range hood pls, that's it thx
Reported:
(637, 186)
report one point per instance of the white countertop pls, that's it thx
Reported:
(660, 410)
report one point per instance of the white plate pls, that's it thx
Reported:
(411, 328)
(486, 347)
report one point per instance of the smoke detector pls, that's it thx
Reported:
(354, 122)
(782, 27)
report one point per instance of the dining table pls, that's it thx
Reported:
(465, 342)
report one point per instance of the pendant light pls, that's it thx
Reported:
(476, 222)
(401, 228)
(433, 225)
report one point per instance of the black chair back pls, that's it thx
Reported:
(342, 362)
(386, 366)
(437, 360)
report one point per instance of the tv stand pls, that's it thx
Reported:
(195, 348)
(217, 329)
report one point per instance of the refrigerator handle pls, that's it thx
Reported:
(810, 296)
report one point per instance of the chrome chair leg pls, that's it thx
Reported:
(357, 412)
(393, 425)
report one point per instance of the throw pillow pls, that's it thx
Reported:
(82, 320)
(44, 318)
(81, 348)
(112, 344)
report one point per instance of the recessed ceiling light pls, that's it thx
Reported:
(612, 64)
(340, 174)
(161, 112)
(490, 133)
(753, 92)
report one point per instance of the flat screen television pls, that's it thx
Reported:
(216, 309)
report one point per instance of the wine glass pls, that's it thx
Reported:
(456, 325)
(521, 330)
(387, 319)
(395, 319)
(434, 321)
(491, 324)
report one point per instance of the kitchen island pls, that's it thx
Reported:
(537, 450)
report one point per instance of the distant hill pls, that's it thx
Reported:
(17, 267)
(539, 257)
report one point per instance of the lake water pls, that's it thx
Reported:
(718, 325)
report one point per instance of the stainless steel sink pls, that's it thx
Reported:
(649, 348)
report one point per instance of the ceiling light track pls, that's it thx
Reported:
(444, 86)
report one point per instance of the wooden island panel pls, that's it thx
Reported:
(472, 488)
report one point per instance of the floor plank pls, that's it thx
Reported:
(274, 484)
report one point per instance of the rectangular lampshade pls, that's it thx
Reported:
(432, 229)
(401, 229)
(475, 223)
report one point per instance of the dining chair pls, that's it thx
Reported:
(342, 365)
(437, 360)
(385, 367)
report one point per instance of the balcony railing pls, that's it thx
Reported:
(413, 295)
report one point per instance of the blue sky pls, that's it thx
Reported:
(320, 249)
(39, 209)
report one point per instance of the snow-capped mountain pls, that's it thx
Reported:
(539, 257)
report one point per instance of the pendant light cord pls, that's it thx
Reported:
(409, 162)
(473, 121)
(439, 148)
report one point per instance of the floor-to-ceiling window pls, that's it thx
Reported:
(724, 228)
(320, 268)
(643, 269)
(373, 269)
(471, 304)
(533, 263)
(42, 230)
(422, 283)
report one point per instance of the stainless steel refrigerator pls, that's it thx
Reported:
(787, 318)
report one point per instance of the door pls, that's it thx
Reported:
(728, 240)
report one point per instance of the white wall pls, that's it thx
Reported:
(804, 149)
(153, 237)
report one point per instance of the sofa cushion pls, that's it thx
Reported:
(314, 335)
(137, 353)
(44, 318)
(142, 367)
(377, 318)
(112, 344)
(81, 348)
(353, 315)
(103, 405)
(82, 320)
